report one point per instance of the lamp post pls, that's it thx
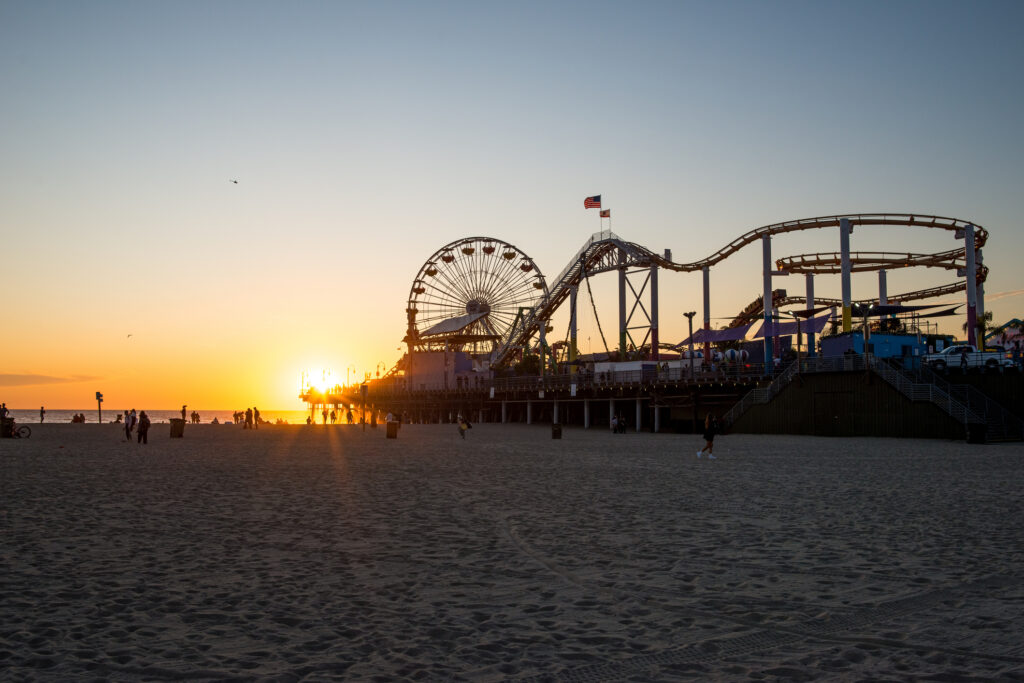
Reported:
(689, 319)
(799, 340)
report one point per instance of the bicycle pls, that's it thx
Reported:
(22, 432)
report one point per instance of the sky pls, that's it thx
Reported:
(364, 136)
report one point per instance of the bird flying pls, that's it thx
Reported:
(235, 182)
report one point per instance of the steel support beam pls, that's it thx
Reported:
(654, 312)
(972, 285)
(622, 304)
(706, 273)
(809, 303)
(572, 329)
(844, 252)
(766, 283)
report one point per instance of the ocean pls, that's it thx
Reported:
(31, 417)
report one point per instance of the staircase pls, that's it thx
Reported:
(964, 403)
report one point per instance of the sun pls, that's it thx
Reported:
(320, 380)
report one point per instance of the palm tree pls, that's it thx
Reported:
(982, 326)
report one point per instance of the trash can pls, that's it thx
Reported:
(392, 430)
(177, 428)
(976, 432)
(6, 428)
(556, 431)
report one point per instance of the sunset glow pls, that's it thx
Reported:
(190, 217)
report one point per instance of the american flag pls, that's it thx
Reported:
(592, 202)
(606, 213)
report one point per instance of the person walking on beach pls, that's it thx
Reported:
(710, 429)
(464, 426)
(42, 414)
(183, 412)
(255, 417)
(130, 420)
(248, 419)
(143, 427)
(325, 415)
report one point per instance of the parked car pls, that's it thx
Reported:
(954, 356)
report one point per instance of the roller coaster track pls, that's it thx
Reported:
(861, 261)
(606, 251)
(753, 311)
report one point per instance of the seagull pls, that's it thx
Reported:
(235, 182)
(129, 335)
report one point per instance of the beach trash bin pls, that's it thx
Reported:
(392, 430)
(975, 432)
(556, 431)
(177, 428)
(6, 428)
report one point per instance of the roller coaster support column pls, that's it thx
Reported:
(572, 330)
(972, 285)
(706, 272)
(809, 279)
(844, 250)
(622, 305)
(980, 294)
(766, 250)
(654, 312)
(543, 347)
(883, 296)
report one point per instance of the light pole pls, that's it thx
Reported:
(799, 340)
(689, 319)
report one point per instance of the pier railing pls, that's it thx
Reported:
(584, 381)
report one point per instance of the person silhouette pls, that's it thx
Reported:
(143, 427)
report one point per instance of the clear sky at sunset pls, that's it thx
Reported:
(366, 135)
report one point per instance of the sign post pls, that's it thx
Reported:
(99, 406)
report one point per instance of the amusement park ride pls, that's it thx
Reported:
(487, 299)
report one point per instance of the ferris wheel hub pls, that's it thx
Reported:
(478, 305)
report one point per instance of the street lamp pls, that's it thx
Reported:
(689, 319)
(799, 339)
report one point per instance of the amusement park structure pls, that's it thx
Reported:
(486, 297)
(480, 311)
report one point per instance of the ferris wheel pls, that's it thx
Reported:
(468, 294)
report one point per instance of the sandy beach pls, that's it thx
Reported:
(326, 553)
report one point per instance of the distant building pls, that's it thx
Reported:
(884, 345)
